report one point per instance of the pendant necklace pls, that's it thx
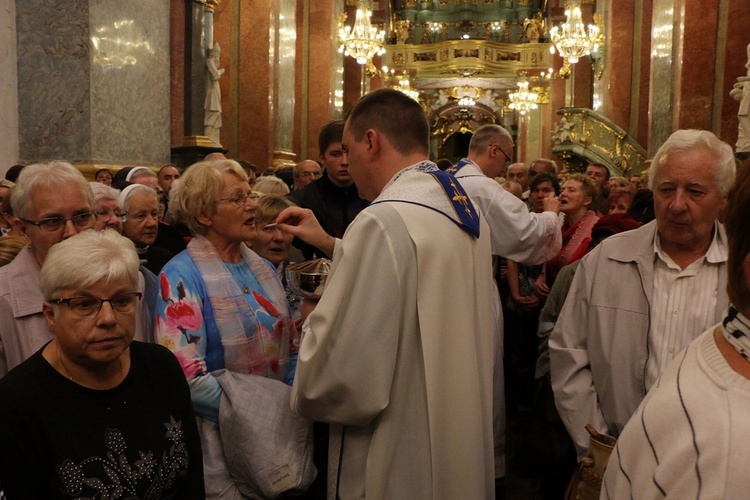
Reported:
(67, 372)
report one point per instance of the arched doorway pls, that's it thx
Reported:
(452, 126)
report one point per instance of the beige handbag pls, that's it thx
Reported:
(586, 482)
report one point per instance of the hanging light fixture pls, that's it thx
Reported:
(362, 41)
(399, 81)
(523, 101)
(572, 39)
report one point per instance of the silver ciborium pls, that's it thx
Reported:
(308, 279)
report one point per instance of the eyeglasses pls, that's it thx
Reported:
(52, 224)
(314, 175)
(88, 306)
(503, 152)
(103, 214)
(241, 199)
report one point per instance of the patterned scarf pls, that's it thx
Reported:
(736, 329)
(247, 348)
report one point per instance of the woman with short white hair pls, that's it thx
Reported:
(109, 214)
(121, 423)
(271, 185)
(221, 307)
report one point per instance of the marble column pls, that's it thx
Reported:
(93, 81)
(663, 53)
(284, 56)
(8, 86)
(324, 78)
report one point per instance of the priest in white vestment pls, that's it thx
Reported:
(398, 353)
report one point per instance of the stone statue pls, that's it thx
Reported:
(741, 92)
(212, 106)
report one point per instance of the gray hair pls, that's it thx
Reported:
(173, 210)
(88, 258)
(688, 140)
(488, 134)
(271, 185)
(53, 175)
(298, 167)
(551, 164)
(104, 192)
(200, 187)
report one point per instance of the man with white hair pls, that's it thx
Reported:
(640, 297)
(305, 172)
(53, 201)
(689, 437)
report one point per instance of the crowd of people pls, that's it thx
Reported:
(481, 321)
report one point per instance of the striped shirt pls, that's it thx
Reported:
(683, 304)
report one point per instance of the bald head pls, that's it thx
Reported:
(542, 165)
(519, 172)
(491, 146)
(305, 172)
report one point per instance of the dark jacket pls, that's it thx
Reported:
(335, 208)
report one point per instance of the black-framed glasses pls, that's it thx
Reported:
(503, 152)
(56, 223)
(241, 199)
(88, 306)
(103, 214)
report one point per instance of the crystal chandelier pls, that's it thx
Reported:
(405, 87)
(362, 41)
(523, 101)
(571, 39)
(399, 81)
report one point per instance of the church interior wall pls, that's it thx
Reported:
(669, 64)
(8, 85)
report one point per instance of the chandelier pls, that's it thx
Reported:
(362, 41)
(571, 38)
(400, 81)
(405, 87)
(523, 101)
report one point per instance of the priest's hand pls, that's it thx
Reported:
(552, 203)
(302, 223)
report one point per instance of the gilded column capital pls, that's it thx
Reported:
(211, 4)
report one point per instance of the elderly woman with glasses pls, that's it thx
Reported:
(52, 201)
(220, 305)
(109, 214)
(121, 423)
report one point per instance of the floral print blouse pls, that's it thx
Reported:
(185, 324)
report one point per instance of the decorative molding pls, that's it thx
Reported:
(211, 4)
(197, 140)
(583, 136)
(469, 58)
(283, 157)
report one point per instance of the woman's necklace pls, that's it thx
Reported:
(67, 372)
